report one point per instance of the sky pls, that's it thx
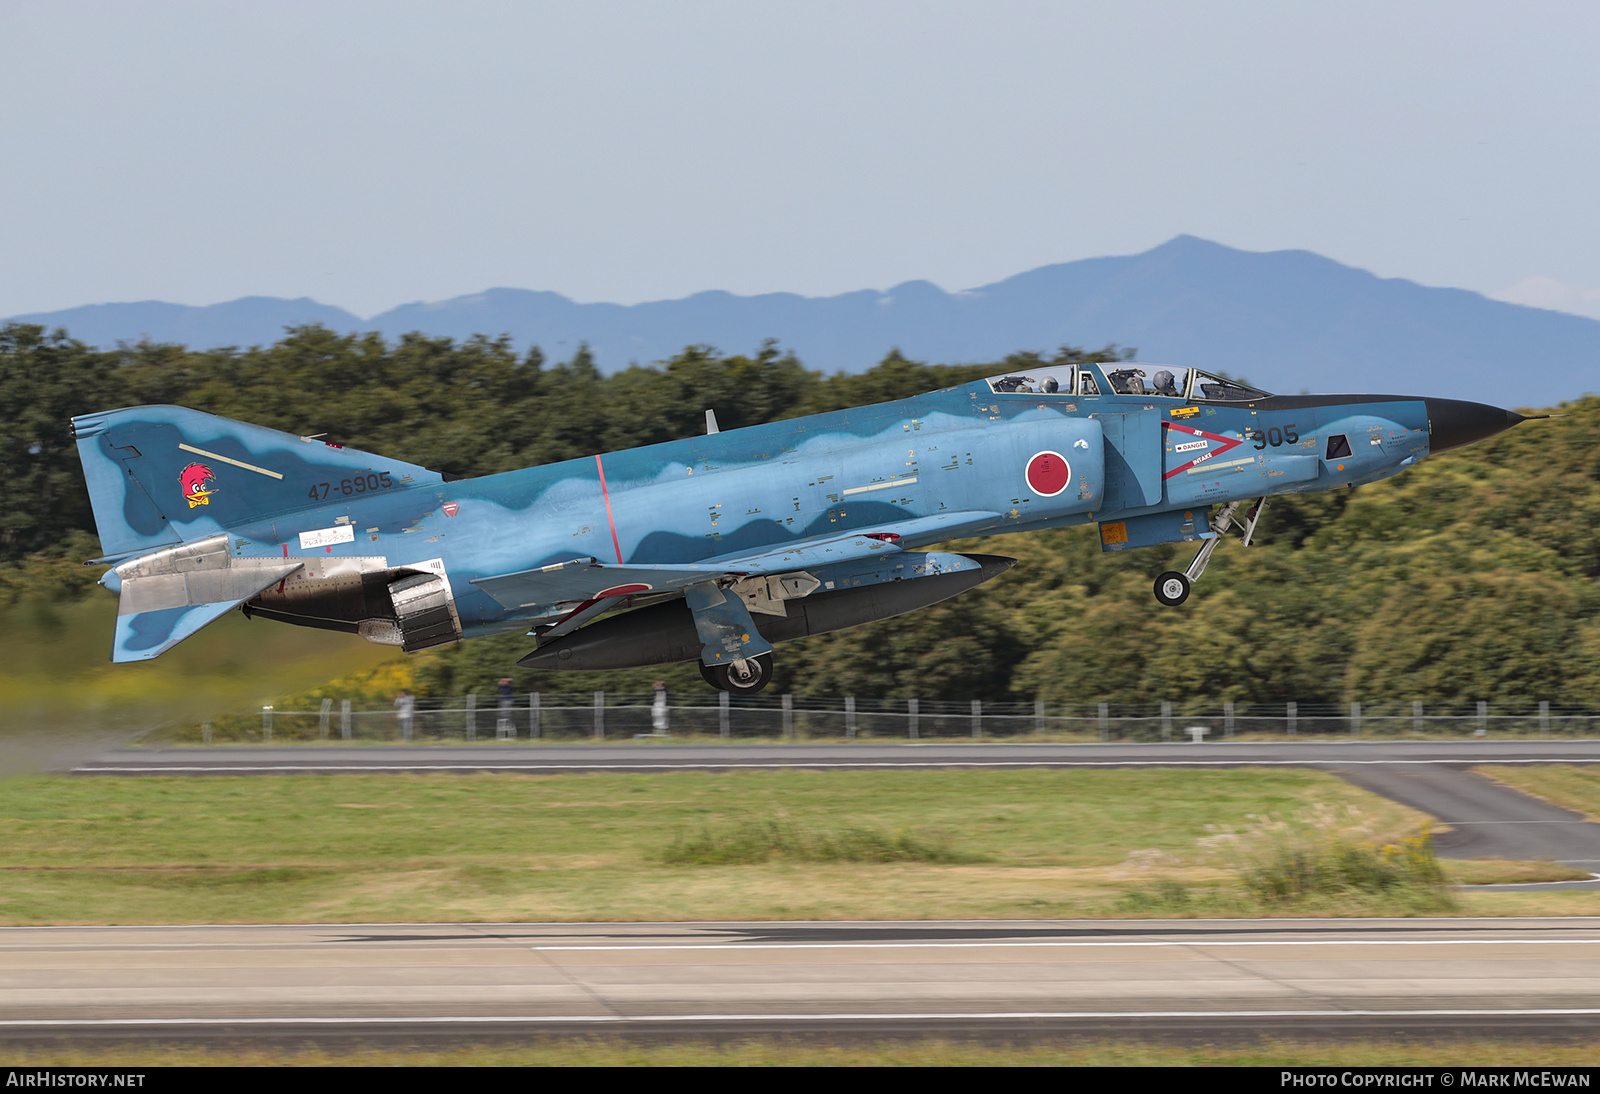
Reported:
(374, 154)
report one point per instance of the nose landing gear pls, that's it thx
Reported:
(1172, 588)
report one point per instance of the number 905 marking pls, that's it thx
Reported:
(356, 484)
(1274, 436)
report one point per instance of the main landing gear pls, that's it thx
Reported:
(742, 677)
(1172, 588)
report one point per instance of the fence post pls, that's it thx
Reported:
(266, 725)
(344, 719)
(1227, 717)
(205, 733)
(1416, 717)
(1544, 718)
(533, 715)
(1483, 718)
(472, 717)
(599, 715)
(977, 718)
(1105, 721)
(722, 714)
(1038, 715)
(1355, 719)
(788, 716)
(911, 709)
(1166, 719)
(1293, 714)
(850, 717)
(322, 722)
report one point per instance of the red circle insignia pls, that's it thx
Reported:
(1048, 474)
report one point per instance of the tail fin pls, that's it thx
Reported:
(162, 475)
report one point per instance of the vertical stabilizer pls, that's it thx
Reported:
(161, 475)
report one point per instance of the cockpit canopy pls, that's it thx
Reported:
(1161, 381)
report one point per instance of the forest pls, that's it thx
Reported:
(1469, 577)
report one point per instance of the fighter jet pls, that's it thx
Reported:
(713, 548)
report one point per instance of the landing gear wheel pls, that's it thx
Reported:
(1172, 588)
(744, 677)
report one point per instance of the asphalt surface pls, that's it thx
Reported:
(673, 756)
(418, 983)
(1485, 819)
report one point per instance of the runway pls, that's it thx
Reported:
(1177, 981)
(1484, 818)
(1181, 981)
(672, 756)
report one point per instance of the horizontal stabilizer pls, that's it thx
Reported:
(166, 596)
(145, 635)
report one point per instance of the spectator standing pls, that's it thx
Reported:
(405, 708)
(504, 729)
(658, 708)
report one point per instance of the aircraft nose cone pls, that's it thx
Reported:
(1453, 422)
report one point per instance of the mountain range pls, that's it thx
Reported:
(1287, 321)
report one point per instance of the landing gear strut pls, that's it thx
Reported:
(743, 677)
(1172, 588)
(741, 658)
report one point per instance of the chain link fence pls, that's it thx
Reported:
(612, 715)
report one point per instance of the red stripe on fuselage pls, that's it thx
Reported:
(1228, 445)
(615, 543)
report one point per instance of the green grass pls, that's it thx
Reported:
(1577, 787)
(685, 846)
(779, 836)
(1297, 867)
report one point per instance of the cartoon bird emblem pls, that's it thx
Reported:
(196, 480)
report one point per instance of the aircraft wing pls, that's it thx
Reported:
(587, 580)
(825, 550)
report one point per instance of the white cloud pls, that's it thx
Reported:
(1547, 292)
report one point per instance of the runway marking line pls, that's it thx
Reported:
(725, 764)
(1433, 923)
(645, 947)
(1187, 943)
(846, 1017)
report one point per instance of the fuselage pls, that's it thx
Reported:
(966, 448)
(813, 523)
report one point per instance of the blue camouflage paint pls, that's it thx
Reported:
(917, 470)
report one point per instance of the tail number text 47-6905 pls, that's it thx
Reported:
(357, 484)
